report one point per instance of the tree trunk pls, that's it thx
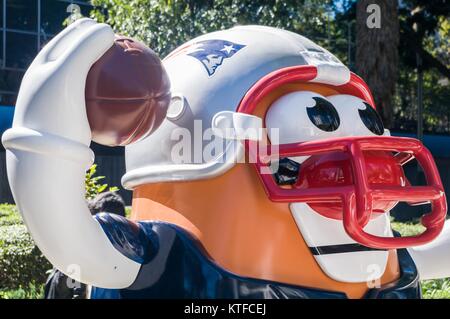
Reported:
(377, 52)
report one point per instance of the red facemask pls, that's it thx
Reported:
(360, 177)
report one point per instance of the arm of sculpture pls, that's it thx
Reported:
(48, 153)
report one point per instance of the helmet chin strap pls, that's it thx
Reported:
(232, 154)
(233, 127)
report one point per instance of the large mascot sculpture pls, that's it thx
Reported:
(259, 165)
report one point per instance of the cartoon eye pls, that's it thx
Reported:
(323, 115)
(371, 119)
(301, 116)
(358, 118)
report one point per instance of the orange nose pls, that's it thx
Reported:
(334, 170)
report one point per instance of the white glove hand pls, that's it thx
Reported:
(51, 97)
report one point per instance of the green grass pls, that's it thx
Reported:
(407, 229)
(128, 211)
(436, 289)
(31, 292)
(9, 215)
(22, 266)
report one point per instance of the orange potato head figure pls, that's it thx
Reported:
(258, 163)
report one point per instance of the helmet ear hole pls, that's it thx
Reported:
(177, 107)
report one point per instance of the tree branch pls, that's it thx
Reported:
(411, 39)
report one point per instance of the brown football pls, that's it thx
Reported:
(127, 93)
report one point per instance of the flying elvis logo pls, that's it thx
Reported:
(211, 53)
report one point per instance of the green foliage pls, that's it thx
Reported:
(9, 215)
(127, 212)
(426, 24)
(93, 185)
(165, 24)
(31, 291)
(435, 101)
(433, 33)
(436, 289)
(407, 229)
(21, 262)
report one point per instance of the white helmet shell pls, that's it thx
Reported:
(211, 74)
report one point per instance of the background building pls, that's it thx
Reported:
(25, 26)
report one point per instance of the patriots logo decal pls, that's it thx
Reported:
(211, 53)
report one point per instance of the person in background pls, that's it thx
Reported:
(107, 202)
(59, 285)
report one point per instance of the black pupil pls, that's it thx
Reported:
(323, 115)
(371, 119)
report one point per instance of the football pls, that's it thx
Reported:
(127, 93)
